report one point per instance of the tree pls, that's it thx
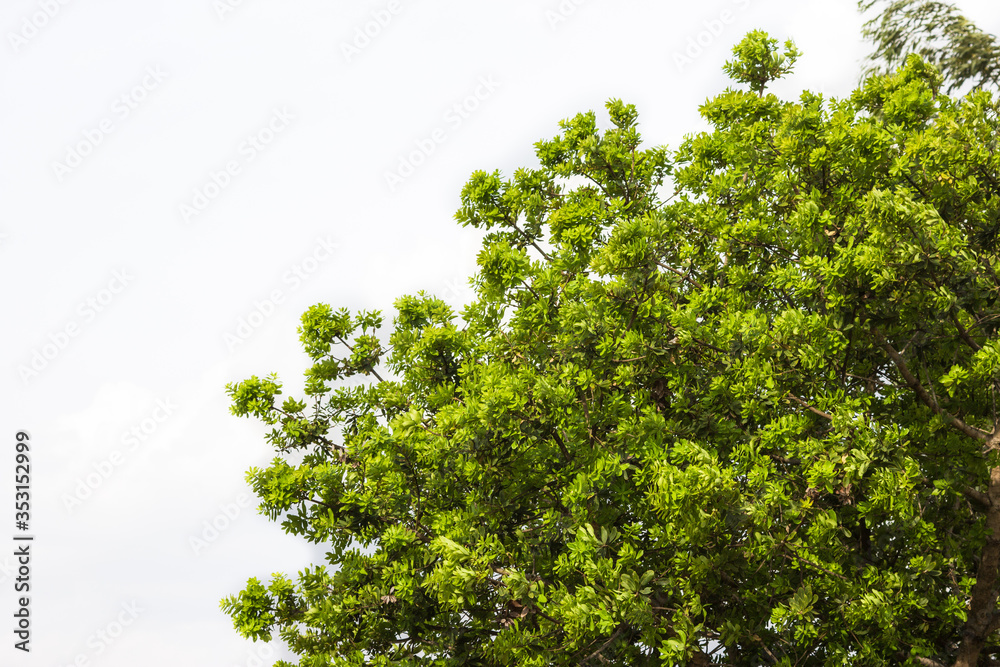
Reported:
(753, 423)
(937, 32)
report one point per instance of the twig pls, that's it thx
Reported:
(824, 415)
(818, 567)
(682, 275)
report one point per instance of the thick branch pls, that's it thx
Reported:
(928, 400)
(562, 445)
(964, 334)
(982, 604)
(977, 497)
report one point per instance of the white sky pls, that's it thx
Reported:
(161, 96)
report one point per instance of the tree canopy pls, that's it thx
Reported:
(733, 404)
(939, 33)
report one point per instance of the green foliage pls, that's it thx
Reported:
(758, 62)
(938, 33)
(753, 424)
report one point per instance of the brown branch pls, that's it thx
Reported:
(928, 400)
(818, 567)
(964, 334)
(766, 649)
(708, 345)
(824, 415)
(531, 290)
(682, 275)
(371, 370)
(993, 400)
(530, 240)
(982, 614)
(562, 446)
(976, 496)
(874, 381)
(618, 632)
(431, 431)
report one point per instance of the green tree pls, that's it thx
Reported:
(753, 423)
(937, 32)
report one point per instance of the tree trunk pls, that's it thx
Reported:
(982, 609)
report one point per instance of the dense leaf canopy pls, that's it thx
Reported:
(750, 423)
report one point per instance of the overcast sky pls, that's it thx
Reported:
(181, 180)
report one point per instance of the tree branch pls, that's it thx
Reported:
(562, 446)
(621, 628)
(965, 334)
(982, 616)
(824, 415)
(371, 370)
(530, 240)
(929, 400)
(682, 275)
(976, 496)
(812, 564)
